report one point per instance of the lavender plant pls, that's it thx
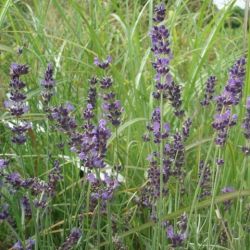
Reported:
(16, 104)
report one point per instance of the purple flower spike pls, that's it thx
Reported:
(106, 82)
(48, 84)
(104, 64)
(61, 115)
(25, 202)
(232, 92)
(210, 85)
(160, 12)
(29, 245)
(177, 239)
(186, 128)
(3, 164)
(16, 104)
(221, 124)
(227, 203)
(54, 177)
(71, 240)
(4, 212)
(17, 70)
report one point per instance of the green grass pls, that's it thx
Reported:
(70, 34)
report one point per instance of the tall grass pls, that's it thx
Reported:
(70, 34)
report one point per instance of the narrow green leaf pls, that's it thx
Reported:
(200, 205)
(4, 11)
(123, 127)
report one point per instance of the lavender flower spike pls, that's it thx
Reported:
(104, 64)
(16, 104)
(232, 92)
(177, 239)
(29, 244)
(160, 12)
(48, 83)
(165, 85)
(71, 240)
(210, 85)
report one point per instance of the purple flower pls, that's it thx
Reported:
(232, 92)
(112, 108)
(220, 162)
(177, 239)
(54, 177)
(3, 164)
(159, 12)
(209, 91)
(221, 124)
(102, 190)
(92, 96)
(14, 179)
(16, 103)
(61, 115)
(4, 211)
(48, 83)
(165, 86)
(204, 179)
(25, 203)
(106, 82)
(186, 128)
(160, 43)
(88, 112)
(104, 64)
(29, 244)
(17, 70)
(71, 240)
(227, 203)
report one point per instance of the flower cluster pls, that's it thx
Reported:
(104, 64)
(165, 86)
(173, 159)
(48, 84)
(232, 92)
(155, 127)
(91, 145)
(35, 186)
(177, 239)
(204, 179)
(64, 121)
(26, 206)
(102, 190)
(209, 91)
(230, 96)
(92, 92)
(71, 240)
(111, 107)
(4, 212)
(221, 124)
(29, 245)
(17, 103)
(228, 203)
(3, 164)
